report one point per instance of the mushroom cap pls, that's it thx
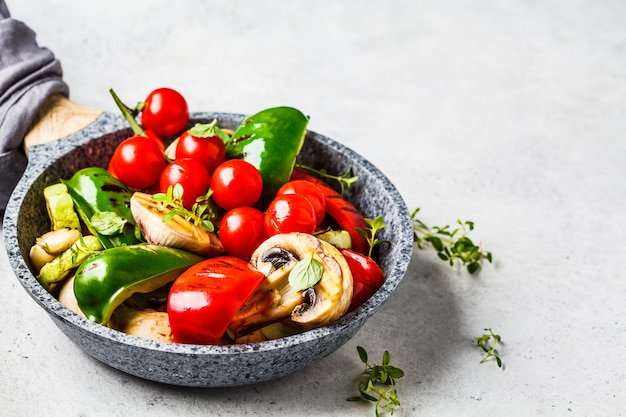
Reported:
(312, 307)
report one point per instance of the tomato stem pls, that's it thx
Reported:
(127, 112)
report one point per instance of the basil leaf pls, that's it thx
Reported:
(201, 130)
(306, 273)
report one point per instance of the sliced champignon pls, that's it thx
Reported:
(330, 298)
(146, 323)
(277, 300)
(175, 233)
(278, 257)
(67, 297)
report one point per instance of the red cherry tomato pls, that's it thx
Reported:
(366, 275)
(309, 190)
(242, 230)
(158, 140)
(345, 214)
(138, 162)
(290, 213)
(236, 183)
(204, 299)
(191, 175)
(165, 112)
(211, 150)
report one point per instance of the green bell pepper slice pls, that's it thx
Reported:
(97, 194)
(105, 281)
(270, 140)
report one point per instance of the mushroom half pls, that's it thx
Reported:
(277, 300)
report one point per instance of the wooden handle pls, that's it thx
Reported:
(57, 118)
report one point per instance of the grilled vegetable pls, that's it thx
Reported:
(176, 232)
(56, 271)
(108, 279)
(67, 297)
(341, 210)
(204, 299)
(52, 244)
(148, 324)
(60, 207)
(98, 195)
(307, 281)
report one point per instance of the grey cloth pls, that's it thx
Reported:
(29, 74)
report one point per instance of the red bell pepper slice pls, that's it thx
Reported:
(345, 214)
(366, 275)
(205, 298)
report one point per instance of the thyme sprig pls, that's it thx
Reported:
(377, 383)
(489, 342)
(369, 234)
(200, 214)
(345, 180)
(451, 244)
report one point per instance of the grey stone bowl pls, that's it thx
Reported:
(197, 365)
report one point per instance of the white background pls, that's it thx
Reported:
(507, 113)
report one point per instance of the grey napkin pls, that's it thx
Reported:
(29, 74)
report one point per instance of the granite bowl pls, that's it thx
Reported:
(197, 365)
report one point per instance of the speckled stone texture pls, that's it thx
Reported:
(193, 365)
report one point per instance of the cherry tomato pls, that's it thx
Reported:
(290, 213)
(366, 275)
(138, 162)
(309, 190)
(164, 112)
(242, 230)
(211, 150)
(191, 175)
(204, 299)
(341, 210)
(158, 140)
(236, 183)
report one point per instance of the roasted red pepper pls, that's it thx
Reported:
(204, 299)
(367, 277)
(341, 210)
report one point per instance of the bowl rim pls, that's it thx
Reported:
(111, 122)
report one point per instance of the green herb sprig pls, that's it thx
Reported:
(451, 244)
(377, 383)
(200, 213)
(345, 180)
(489, 342)
(370, 234)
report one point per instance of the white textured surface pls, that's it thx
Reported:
(507, 113)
